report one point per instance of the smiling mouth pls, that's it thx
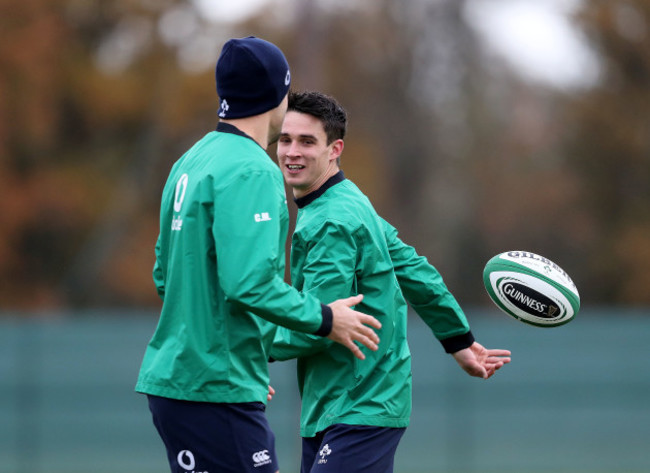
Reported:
(295, 167)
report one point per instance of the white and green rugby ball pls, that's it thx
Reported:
(531, 288)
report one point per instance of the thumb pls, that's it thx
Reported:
(477, 370)
(353, 300)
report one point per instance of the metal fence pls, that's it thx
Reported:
(575, 399)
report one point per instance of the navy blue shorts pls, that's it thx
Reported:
(215, 438)
(351, 449)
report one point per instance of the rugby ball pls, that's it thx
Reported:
(531, 288)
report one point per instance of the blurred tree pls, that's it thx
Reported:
(32, 230)
(438, 140)
(610, 151)
(142, 110)
(90, 99)
(98, 99)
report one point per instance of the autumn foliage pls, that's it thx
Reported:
(465, 158)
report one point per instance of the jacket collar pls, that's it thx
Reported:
(312, 196)
(228, 128)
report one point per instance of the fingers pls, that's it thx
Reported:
(492, 368)
(356, 351)
(492, 365)
(351, 327)
(365, 336)
(370, 320)
(366, 332)
(497, 352)
(497, 359)
(488, 362)
(371, 341)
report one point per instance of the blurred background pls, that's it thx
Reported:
(476, 127)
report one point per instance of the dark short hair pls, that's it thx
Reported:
(323, 107)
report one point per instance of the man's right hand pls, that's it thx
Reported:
(349, 326)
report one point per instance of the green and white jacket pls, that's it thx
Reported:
(219, 270)
(341, 247)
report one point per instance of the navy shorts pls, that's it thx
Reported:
(351, 449)
(215, 438)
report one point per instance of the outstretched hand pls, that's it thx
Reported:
(478, 361)
(349, 326)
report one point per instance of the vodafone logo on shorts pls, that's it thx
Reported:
(186, 461)
(261, 458)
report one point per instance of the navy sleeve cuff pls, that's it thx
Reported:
(457, 342)
(328, 318)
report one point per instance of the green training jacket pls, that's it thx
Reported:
(219, 270)
(341, 247)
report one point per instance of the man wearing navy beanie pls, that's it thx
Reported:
(252, 77)
(219, 271)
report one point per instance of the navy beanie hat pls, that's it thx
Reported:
(252, 77)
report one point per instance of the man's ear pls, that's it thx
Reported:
(337, 149)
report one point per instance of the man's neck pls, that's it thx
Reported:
(257, 127)
(305, 200)
(331, 171)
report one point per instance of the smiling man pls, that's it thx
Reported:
(310, 155)
(354, 414)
